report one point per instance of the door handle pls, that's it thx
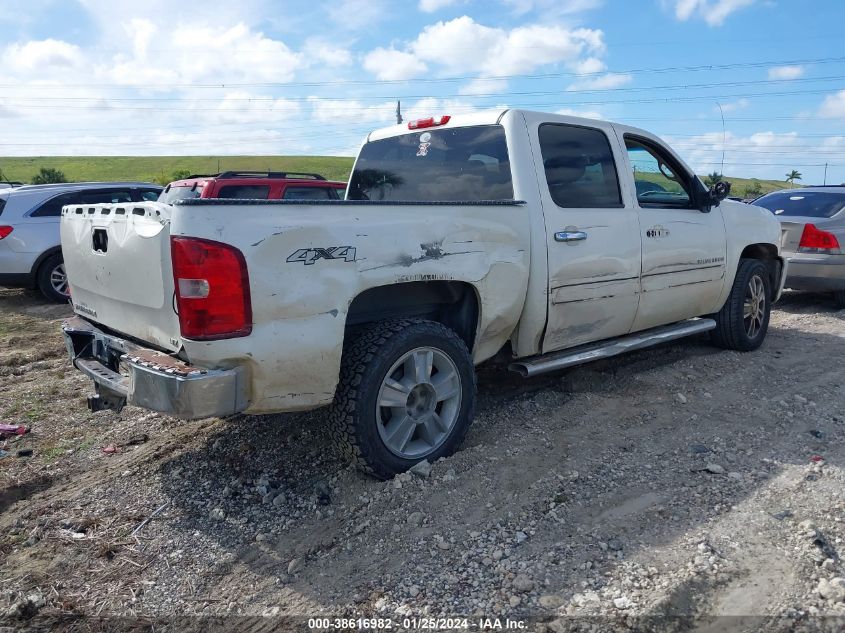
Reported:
(570, 236)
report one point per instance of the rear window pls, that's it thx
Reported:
(810, 204)
(2, 204)
(172, 194)
(459, 164)
(310, 193)
(260, 192)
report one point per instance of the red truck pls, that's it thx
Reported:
(262, 185)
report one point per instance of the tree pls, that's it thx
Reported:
(754, 189)
(48, 175)
(713, 178)
(792, 176)
(164, 179)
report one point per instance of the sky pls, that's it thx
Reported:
(263, 77)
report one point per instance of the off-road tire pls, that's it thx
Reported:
(43, 279)
(368, 356)
(731, 332)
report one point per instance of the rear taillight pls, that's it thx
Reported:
(817, 240)
(212, 289)
(5, 231)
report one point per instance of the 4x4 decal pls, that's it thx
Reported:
(309, 256)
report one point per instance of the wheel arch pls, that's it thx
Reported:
(768, 254)
(33, 273)
(455, 304)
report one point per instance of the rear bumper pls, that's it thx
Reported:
(126, 373)
(818, 274)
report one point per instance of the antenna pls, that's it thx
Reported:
(724, 137)
(398, 112)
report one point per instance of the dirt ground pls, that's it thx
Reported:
(678, 488)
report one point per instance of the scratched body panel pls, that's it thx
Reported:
(299, 308)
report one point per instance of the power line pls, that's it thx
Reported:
(363, 82)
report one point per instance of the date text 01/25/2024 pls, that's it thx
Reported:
(417, 624)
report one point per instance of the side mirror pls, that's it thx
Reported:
(719, 192)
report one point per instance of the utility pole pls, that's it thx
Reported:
(398, 112)
(825, 173)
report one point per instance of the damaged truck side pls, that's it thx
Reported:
(545, 239)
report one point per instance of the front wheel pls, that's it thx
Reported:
(743, 321)
(406, 393)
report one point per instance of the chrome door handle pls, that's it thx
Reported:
(570, 236)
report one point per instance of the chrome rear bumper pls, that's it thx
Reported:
(126, 373)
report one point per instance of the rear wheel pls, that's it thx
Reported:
(743, 321)
(52, 279)
(839, 298)
(406, 393)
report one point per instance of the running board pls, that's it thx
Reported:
(613, 347)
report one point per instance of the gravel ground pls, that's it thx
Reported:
(678, 488)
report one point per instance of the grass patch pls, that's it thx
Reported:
(148, 168)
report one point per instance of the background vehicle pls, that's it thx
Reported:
(30, 253)
(515, 232)
(268, 185)
(813, 222)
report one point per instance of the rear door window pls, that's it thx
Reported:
(53, 206)
(438, 165)
(310, 193)
(579, 166)
(254, 192)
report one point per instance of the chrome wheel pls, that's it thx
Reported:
(418, 403)
(754, 311)
(58, 279)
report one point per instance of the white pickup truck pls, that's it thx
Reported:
(544, 239)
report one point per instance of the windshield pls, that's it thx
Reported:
(810, 204)
(172, 194)
(458, 164)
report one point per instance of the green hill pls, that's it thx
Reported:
(161, 168)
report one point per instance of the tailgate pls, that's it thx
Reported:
(117, 258)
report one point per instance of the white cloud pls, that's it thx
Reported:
(588, 66)
(430, 6)
(355, 15)
(712, 12)
(833, 106)
(327, 53)
(390, 64)
(334, 110)
(553, 8)
(497, 51)
(607, 81)
(40, 56)
(204, 54)
(786, 72)
(483, 86)
(733, 105)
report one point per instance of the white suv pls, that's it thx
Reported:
(30, 251)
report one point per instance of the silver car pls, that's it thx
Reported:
(30, 252)
(813, 236)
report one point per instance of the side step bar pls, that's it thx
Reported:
(613, 347)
